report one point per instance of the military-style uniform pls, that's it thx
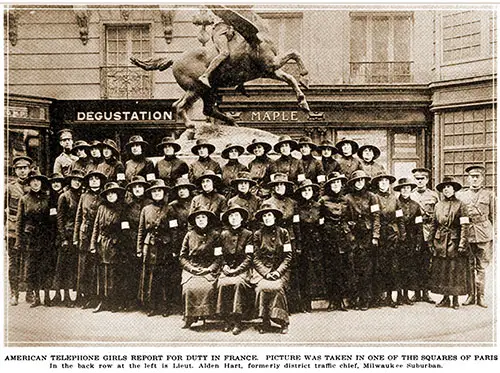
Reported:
(170, 168)
(348, 165)
(81, 164)
(313, 168)
(480, 208)
(229, 172)
(139, 166)
(371, 168)
(288, 165)
(111, 168)
(249, 202)
(260, 170)
(63, 162)
(211, 201)
(330, 165)
(198, 167)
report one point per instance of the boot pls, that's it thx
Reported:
(416, 297)
(188, 322)
(390, 301)
(480, 301)
(14, 298)
(67, 300)
(406, 299)
(455, 305)
(57, 300)
(265, 326)
(445, 302)
(36, 300)
(426, 298)
(100, 307)
(400, 298)
(46, 298)
(342, 306)
(471, 299)
(29, 296)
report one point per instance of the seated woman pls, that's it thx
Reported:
(200, 262)
(271, 275)
(234, 281)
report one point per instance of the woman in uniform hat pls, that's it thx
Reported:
(67, 258)
(233, 285)
(80, 150)
(450, 274)
(170, 167)
(233, 166)
(337, 238)
(309, 257)
(108, 239)
(95, 156)
(260, 166)
(209, 199)
(200, 261)
(328, 150)
(363, 216)
(84, 223)
(57, 187)
(271, 269)
(286, 163)
(33, 223)
(348, 164)
(313, 168)
(203, 149)
(392, 234)
(155, 247)
(413, 244)
(243, 184)
(138, 164)
(111, 165)
(368, 155)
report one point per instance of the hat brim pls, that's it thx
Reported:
(267, 147)
(352, 181)
(354, 144)
(398, 187)
(421, 169)
(225, 152)
(75, 148)
(44, 179)
(216, 179)
(212, 219)
(480, 169)
(456, 186)
(342, 178)
(241, 210)
(234, 183)
(210, 147)
(176, 146)
(129, 144)
(331, 147)
(70, 177)
(134, 183)
(376, 151)
(60, 179)
(188, 186)
(95, 173)
(119, 190)
(277, 213)
(150, 189)
(293, 145)
(311, 145)
(115, 151)
(314, 186)
(391, 178)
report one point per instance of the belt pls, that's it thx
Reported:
(478, 219)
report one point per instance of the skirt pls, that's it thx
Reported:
(450, 276)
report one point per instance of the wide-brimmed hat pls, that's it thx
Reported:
(448, 180)
(283, 140)
(169, 141)
(268, 207)
(157, 184)
(63, 131)
(307, 183)
(404, 181)
(75, 174)
(108, 143)
(235, 208)
(36, 174)
(209, 174)
(212, 219)
(21, 161)
(183, 182)
(229, 147)
(306, 141)
(100, 175)
(375, 150)
(346, 140)
(420, 170)
(202, 143)
(79, 144)
(358, 175)
(136, 139)
(280, 178)
(243, 176)
(95, 144)
(328, 144)
(137, 180)
(383, 175)
(335, 176)
(56, 176)
(112, 186)
(475, 169)
(267, 147)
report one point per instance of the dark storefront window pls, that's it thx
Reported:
(119, 78)
(381, 48)
(24, 142)
(469, 139)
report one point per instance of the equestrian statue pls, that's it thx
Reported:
(242, 51)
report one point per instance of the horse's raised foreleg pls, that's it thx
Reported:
(210, 109)
(292, 82)
(183, 105)
(280, 61)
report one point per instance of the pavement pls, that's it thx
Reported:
(420, 324)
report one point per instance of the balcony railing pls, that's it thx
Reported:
(381, 72)
(125, 82)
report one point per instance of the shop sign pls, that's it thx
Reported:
(116, 116)
(274, 116)
(24, 112)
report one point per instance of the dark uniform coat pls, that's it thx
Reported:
(372, 168)
(313, 168)
(250, 202)
(111, 168)
(348, 165)
(212, 201)
(198, 167)
(260, 169)
(139, 166)
(170, 168)
(230, 172)
(288, 165)
(330, 165)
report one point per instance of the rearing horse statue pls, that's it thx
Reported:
(252, 55)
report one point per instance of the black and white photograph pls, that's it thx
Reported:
(250, 174)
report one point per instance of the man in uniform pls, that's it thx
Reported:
(15, 190)
(64, 161)
(480, 204)
(427, 199)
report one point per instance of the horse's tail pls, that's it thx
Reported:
(152, 64)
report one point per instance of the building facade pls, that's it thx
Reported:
(417, 82)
